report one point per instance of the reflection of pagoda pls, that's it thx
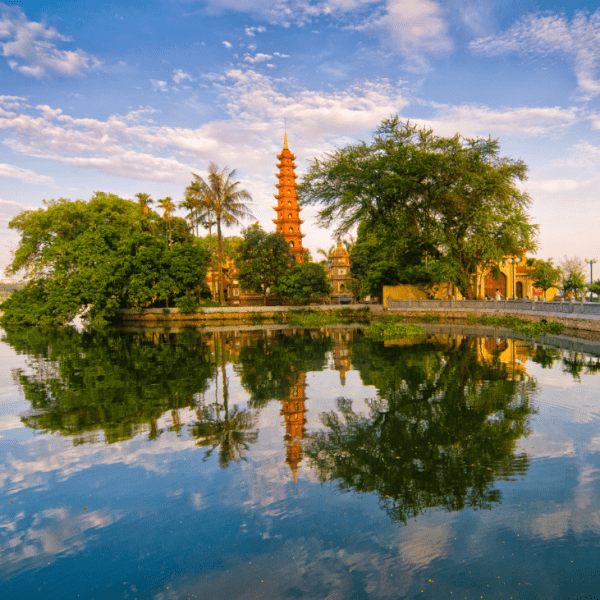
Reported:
(294, 411)
(341, 353)
(288, 212)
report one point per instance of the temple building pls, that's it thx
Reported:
(288, 212)
(338, 273)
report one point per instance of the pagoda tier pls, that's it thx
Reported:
(288, 212)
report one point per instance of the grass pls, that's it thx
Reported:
(528, 328)
(314, 318)
(393, 331)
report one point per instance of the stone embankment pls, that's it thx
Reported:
(235, 314)
(575, 316)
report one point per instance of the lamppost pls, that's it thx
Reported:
(591, 262)
(515, 261)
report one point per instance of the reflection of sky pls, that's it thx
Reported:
(156, 515)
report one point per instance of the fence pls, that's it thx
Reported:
(579, 308)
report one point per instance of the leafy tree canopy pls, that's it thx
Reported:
(262, 259)
(304, 282)
(97, 254)
(451, 200)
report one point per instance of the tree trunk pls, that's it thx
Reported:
(220, 265)
(212, 263)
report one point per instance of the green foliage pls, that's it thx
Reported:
(575, 284)
(392, 331)
(451, 201)
(594, 288)
(270, 366)
(303, 282)
(103, 381)
(528, 328)
(544, 274)
(95, 255)
(187, 304)
(313, 318)
(429, 318)
(262, 259)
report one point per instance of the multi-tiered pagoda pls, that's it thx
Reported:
(288, 212)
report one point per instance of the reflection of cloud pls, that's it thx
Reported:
(57, 456)
(61, 534)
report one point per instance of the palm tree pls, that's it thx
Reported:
(167, 205)
(225, 203)
(196, 196)
(144, 201)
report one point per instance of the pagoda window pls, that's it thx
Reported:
(289, 202)
(290, 216)
(291, 230)
(292, 244)
(288, 181)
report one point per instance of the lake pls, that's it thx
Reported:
(317, 464)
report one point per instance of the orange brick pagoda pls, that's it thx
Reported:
(288, 212)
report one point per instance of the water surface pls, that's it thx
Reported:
(296, 464)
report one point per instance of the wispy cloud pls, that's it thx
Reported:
(416, 28)
(24, 175)
(159, 86)
(226, 44)
(544, 35)
(179, 76)
(251, 31)
(31, 48)
(257, 58)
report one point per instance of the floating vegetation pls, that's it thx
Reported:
(313, 318)
(393, 331)
(528, 328)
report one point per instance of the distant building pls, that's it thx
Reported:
(338, 272)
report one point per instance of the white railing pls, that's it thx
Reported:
(583, 308)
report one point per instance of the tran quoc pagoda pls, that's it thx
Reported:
(288, 212)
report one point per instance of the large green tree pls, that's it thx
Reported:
(226, 202)
(304, 282)
(96, 254)
(262, 260)
(453, 201)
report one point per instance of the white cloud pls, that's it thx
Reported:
(24, 175)
(473, 120)
(226, 44)
(578, 41)
(416, 28)
(179, 76)
(159, 86)
(252, 30)
(281, 55)
(257, 58)
(31, 48)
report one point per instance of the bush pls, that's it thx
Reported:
(187, 304)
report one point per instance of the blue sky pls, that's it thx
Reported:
(123, 99)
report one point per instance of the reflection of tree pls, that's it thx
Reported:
(118, 383)
(236, 430)
(269, 367)
(576, 363)
(545, 356)
(443, 429)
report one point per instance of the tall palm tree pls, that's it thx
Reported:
(144, 201)
(225, 202)
(196, 195)
(169, 207)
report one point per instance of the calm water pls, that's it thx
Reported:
(275, 464)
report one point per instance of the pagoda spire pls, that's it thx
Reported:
(285, 142)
